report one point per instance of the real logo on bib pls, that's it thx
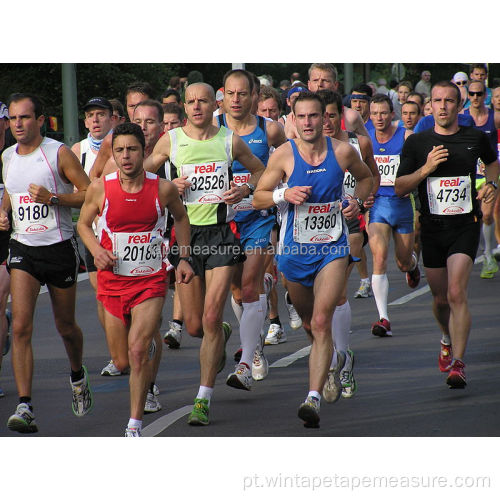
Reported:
(206, 169)
(451, 182)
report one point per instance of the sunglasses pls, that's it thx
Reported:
(461, 83)
(479, 94)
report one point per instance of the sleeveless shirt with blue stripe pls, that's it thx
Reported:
(326, 180)
(257, 142)
(393, 146)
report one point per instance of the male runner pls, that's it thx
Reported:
(441, 162)
(389, 213)
(43, 180)
(313, 250)
(203, 154)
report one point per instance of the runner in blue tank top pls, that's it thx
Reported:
(249, 299)
(313, 249)
(389, 214)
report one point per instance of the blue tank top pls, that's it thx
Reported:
(387, 156)
(488, 128)
(257, 142)
(326, 180)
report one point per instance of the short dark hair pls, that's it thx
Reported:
(362, 88)
(170, 92)
(331, 97)
(473, 66)
(240, 72)
(129, 128)
(405, 83)
(381, 98)
(418, 94)
(448, 84)
(267, 92)
(411, 102)
(117, 106)
(309, 96)
(153, 104)
(173, 108)
(37, 102)
(142, 88)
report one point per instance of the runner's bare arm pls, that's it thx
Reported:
(159, 156)
(365, 144)
(4, 211)
(103, 156)
(275, 134)
(354, 122)
(488, 193)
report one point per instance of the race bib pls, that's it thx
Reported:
(29, 217)
(208, 181)
(139, 254)
(317, 222)
(245, 203)
(388, 168)
(449, 195)
(349, 184)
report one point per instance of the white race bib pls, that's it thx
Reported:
(317, 222)
(139, 254)
(388, 167)
(208, 181)
(30, 217)
(449, 195)
(349, 184)
(245, 203)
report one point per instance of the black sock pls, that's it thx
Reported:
(76, 376)
(178, 321)
(275, 321)
(151, 387)
(27, 400)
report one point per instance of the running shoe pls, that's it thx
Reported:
(445, 357)
(227, 330)
(82, 395)
(152, 404)
(309, 412)
(199, 415)
(241, 378)
(332, 389)
(347, 380)
(237, 355)
(496, 252)
(156, 390)
(110, 370)
(260, 365)
(293, 317)
(132, 432)
(23, 420)
(173, 337)
(490, 267)
(413, 277)
(456, 378)
(6, 346)
(275, 335)
(382, 328)
(364, 290)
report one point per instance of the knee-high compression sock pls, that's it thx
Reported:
(488, 232)
(237, 309)
(250, 327)
(380, 287)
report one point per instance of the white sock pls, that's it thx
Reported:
(268, 283)
(445, 339)
(488, 232)
(237, 309)
(365, 280)
(135, 423)
(380, 287)
(315, 394)
(205, 392)
(341, 325)
(250, 327)
(415, 261)
(263, 304)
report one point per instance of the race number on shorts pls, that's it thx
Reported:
(449, 195)
(139, 254)
(388, 167)
(30, 217)
(208, 181)
(317, 222)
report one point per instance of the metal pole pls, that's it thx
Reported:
(348, 77)
(238, 65)
(70, 107)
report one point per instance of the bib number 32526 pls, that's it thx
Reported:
(208, 182)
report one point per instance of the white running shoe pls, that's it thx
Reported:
(347, 379)
(293, 317)
(275, 335)
(364, 290)
(173, 337)
(309, 412)
(110, 370)
(23, 420)
(332, 390)
(132, 432)
(152, 404)
(260, 365)
(241, 378)
(82, 395)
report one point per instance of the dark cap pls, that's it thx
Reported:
(98, 102)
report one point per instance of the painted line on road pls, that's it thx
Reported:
(288, 360)
(159, 425)
(406, 298)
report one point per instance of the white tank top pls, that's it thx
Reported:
(37, 224)
(87, 156)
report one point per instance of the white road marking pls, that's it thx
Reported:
(406, 298)
(158, 426)
(288, 360)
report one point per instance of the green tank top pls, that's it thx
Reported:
(208, 167)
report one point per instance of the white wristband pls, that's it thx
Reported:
(279, 195)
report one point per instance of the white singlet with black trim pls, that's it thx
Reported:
(37, 224)
(87, 156)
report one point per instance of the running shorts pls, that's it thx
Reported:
(395, 212)
(256, 233)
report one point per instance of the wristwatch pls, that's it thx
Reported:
(189, 259)
(360, 204)
(250, 186)
(53, 200)
(493, 183)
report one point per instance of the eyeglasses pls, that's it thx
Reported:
(461, 83)
(479, 94)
